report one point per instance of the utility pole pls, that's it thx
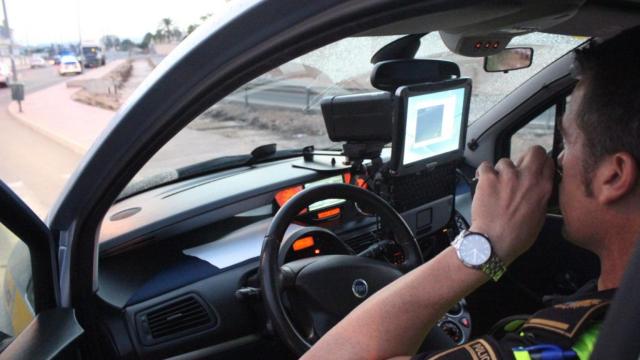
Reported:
(81, 54)
(6, 26)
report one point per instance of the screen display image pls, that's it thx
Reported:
(429, 123)
(328, 202)
(433, 124)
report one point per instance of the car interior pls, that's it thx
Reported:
(259, 257)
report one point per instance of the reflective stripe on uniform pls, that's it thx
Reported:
(585, 344)
(521, 355)
(582, 348)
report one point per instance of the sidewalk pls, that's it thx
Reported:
(51, 111)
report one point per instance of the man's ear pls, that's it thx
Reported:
(616, 177)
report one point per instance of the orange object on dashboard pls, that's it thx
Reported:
(360, 182)
(303, 243)
(328, 213)
(284, 195)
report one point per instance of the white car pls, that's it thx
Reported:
(5, 75)
(69, 65)
(36, 61)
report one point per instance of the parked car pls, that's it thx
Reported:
(69, 65)
(36, 61)
(157, 247)
(5, 74)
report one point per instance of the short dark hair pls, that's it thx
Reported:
(609, 114)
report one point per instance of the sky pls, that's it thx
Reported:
(40, 22)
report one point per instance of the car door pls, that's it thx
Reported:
(35, 326)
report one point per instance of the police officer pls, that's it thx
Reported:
(600, 202)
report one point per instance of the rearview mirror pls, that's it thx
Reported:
(509, 59)
(391, 74)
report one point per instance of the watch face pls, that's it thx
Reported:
(475, 250)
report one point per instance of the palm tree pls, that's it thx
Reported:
(191, 28)
(159, 36)
(176, 33)
(146, 40)
(166, 25)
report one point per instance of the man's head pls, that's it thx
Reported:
(602, 140)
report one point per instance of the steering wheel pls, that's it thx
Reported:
(321, 290)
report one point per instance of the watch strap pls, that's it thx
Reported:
(494, 267)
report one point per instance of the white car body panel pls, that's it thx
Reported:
(69, 65)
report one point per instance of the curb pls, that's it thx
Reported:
(69, 144)
(74, 146)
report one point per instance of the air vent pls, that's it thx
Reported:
(361, 242)
(178, 318)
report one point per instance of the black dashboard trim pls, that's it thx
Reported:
(235, 319)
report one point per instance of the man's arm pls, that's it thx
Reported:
(509, 207)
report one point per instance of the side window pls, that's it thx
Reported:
(16, 293)
(539, 131)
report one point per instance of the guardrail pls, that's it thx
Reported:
(307, 99)
(290, 96)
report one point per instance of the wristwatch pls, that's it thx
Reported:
(475, 252)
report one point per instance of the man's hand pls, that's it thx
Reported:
(510, 201)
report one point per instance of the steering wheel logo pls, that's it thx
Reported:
(360, 288)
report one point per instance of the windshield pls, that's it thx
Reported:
(90, 50)
(283, 105)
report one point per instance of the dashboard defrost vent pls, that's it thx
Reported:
(361, 242)
(177, 318)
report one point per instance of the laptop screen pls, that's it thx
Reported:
(430, 124)
(433, 124)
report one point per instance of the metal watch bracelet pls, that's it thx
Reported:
(494, 268)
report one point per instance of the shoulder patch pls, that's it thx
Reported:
(578, 304)
(482, 350)
(562, 324)
(479, 349)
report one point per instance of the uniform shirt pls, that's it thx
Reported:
(490, 347)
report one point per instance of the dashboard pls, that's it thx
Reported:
(178, 264)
